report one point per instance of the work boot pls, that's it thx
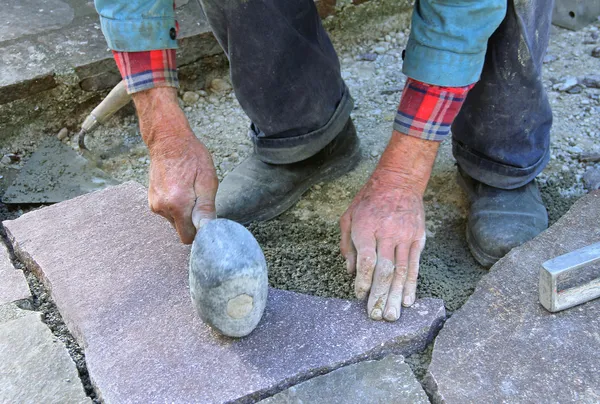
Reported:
(501, 219)
(258, 191)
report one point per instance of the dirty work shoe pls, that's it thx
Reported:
(257, 191)
(501, 219)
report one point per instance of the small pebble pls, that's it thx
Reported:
(190, 97)
(62, 134)
(596, 52)
(220, 86)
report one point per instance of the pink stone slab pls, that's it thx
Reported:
(118, 275)
(13, 285)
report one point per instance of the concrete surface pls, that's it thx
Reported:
(118, 275)
(45, 42)
(386, 381)
(35, 366)
(54, 173)
(13, 285)
(503, 346)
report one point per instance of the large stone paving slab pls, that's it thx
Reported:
(118, 275)
(35, 366)
(503, 346)
(386, 381)
(13, 285)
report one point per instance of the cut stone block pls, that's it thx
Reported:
(503, 346)
(389, 380)
(118, 275)
(35, 366)
(13, 285)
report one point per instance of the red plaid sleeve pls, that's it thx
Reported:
(427, 111)
(144, 70)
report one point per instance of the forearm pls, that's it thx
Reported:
(160, 116)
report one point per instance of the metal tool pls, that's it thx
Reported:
(570, 279)
(114, 101)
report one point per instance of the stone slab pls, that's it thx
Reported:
(118, 275)
(63, 38)
(386, 381)
(35, 366)
(13, 285)
(503, 346)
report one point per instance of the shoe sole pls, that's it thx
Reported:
(330, 173)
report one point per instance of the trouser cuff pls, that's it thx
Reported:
(495, 174)
(288, 150)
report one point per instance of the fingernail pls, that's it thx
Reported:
(408, 301)
(376, 314)
(361, 295)
(347, 265)
(391, 314)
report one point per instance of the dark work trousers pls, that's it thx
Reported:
(285, 74)
(501, 136)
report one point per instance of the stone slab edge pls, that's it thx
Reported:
(430, 383)
(13, 285)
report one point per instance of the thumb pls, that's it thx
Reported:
(204, 211)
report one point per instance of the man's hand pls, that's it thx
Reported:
(183, 181)
(383, 230)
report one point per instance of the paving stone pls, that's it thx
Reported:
(35, 366)
(118, 275)
(64, 43)
(13, 285)
(386, 381)
(503, 346)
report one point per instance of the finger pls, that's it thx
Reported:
(366, 257)
(155, 209)
(382, 280)
(204, 206)
(184, 226)
(201, 214)
(394, 303)
(346, 246)
(410, 287)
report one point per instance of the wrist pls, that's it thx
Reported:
(160, 116)
(408, 161)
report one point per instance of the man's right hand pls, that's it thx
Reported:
(183, 181)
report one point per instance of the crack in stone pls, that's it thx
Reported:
(41, 301)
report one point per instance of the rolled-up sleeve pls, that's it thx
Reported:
(448, 40)
(137, 25)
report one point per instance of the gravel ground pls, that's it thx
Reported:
(301, 246)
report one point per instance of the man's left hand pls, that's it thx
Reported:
(383, 230)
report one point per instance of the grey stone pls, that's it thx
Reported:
(54, 173)
(386, 381)
(503, 346)
(13, 285)
(118, 275)
(219, 85)
(567, 84)
(591, 80)
(38, 48)
(228, 277)
(591, 179)
(35, 366)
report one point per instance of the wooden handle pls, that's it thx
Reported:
(114, 101)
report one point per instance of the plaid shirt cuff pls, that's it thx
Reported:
(426, 111)
(144, 70)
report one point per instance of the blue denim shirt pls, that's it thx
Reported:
(446, 47)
